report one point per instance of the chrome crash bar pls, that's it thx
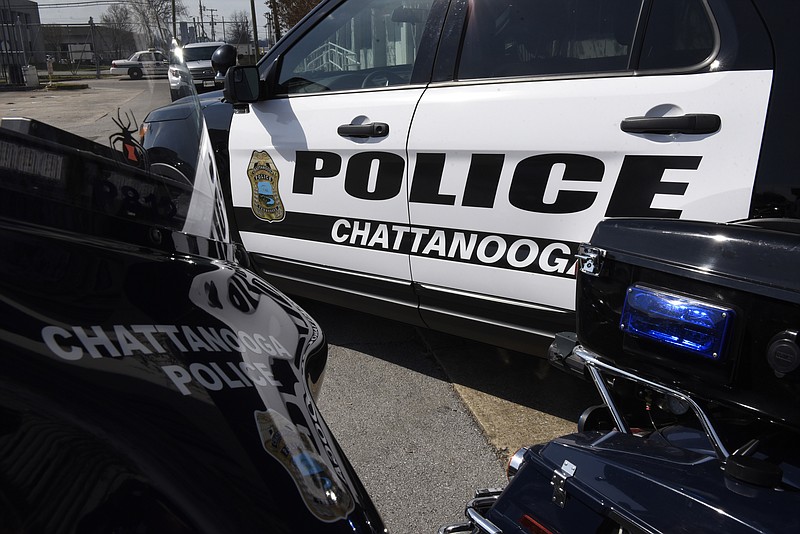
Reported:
(594, 366)
(475, 512)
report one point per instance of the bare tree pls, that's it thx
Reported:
(118, 16)
(119, 19)
(289, 12)
(53, 34)
(238, 30)
(153, 18)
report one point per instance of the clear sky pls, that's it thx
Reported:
(79, 11)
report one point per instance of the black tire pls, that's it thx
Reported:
(174, 94)
(135, 73)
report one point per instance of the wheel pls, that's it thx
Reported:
(381, 78)
(135, 73)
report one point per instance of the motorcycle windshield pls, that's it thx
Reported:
(115, 148)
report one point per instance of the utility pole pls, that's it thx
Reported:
(22, 40)
(255, 27)
(276, 25)
(224, 35)
(174, 23)
(213, 34)
(94, 50)
(202, 24)
(268, 28)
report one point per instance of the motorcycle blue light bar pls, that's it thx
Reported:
(693, 325)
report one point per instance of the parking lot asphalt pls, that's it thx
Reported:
(425, 418)
(90, 109)
(428, 418)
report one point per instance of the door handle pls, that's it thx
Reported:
(371, 129)
(693, 123)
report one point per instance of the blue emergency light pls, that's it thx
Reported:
(693, 325)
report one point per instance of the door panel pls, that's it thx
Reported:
(516, 160)
(333, 189)
(319, 170)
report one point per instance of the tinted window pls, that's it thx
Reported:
(679, 34)
(361, 44)
(539, 37)
(199, 53)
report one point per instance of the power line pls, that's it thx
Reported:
(85, 3)
(89, 3)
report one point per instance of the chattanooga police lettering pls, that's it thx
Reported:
(77, 342)
(516, 252)
(556, 185)
(379, 176)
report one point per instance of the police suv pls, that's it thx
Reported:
(439, 161)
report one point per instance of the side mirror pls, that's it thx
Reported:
(243, 86)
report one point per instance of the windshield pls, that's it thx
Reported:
(199, 53)
(107, 142)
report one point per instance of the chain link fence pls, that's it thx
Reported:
(27, 51)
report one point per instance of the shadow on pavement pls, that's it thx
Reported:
(519, 379)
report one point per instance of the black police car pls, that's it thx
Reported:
(150, 382)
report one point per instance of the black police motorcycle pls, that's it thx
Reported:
(689, 332)
(150, 382)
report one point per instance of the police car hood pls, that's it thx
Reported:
(148, 380)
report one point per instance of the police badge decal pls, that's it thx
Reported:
(263, 175)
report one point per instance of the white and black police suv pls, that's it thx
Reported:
(438, 161)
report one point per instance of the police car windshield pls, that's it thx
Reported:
(107, 138)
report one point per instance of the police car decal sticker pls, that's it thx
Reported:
(506, 251)
(322, 493)
(266, 199)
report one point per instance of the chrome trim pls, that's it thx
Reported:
(482, 523)
(457, 527)
(594, 365)
(479, 506)
(516, 462)
(475, 510)
(559, 482)
(590, 259)
(600, 384)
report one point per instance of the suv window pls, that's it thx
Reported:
(538, 37)
(547, 37)
(361, 44)
(679, 34)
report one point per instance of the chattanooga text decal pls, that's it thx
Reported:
(523, 253)
(79, 342)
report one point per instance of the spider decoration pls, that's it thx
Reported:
(127, 149)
